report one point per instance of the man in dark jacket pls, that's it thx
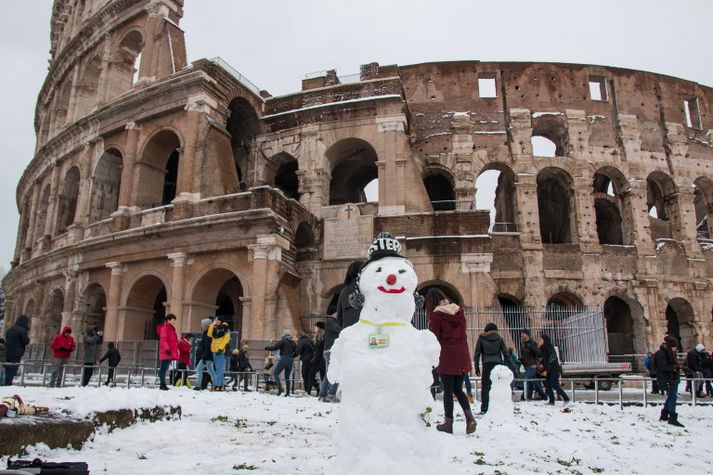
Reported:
(305, 350)
(114, 357)
(92, 340)
(288, 349)
(346, 314)
(62, 347)
(204, 356)
(695, 363)
(16, 339)
(529, 355)
(668, 375)
(494, 352)
(327, 391)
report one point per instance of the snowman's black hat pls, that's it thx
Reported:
(385, 245)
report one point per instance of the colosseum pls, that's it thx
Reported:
(161, 186)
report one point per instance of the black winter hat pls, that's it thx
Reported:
(490, 327)
(385, 245)
(319, 325)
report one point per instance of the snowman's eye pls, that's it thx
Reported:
(402, 271)
(378, 269)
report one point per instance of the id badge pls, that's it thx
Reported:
(378, 340)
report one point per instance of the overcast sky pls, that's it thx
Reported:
(275, 43)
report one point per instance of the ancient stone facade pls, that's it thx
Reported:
(160, 186)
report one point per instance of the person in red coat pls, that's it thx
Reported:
(62, 346)
(184, 359)
(447, 322)
(167, 347)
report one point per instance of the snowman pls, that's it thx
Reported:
(500, 408)
(383, 367)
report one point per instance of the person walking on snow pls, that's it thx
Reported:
(62, 347)
(219, 332)
(204, 356)
(553, 368)
(305, 350)
(168, 347)
(491, 347)
(529, 355)
(184, 360)
(114, 357)
(447, 321)
(287, 348)
(668, 371)
(16, 339)
(92, 340)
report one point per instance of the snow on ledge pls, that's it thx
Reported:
(330, 104)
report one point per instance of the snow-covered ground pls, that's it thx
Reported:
(231, 432)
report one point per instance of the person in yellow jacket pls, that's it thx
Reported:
(219, 332)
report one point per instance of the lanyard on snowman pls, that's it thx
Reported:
(379, 340)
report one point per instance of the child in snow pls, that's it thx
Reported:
(184, 361)
(267, 369)
(114, 357)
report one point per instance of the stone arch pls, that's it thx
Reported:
(61, 103)
(218, 291)
(612, 207)
(53, 316)
(553, 128)
(662, 205)
(145, 308)
(305, 242)
(24, 224)
(680, 322)
(620, 326)
(555, 200)
(514, 315)
(331, 296)
(42, 210)
(158, 169)
(67, 200)
(451, 292)
(86, 92)
(703, 203)
(282, 174)
(106, 182)
(564, 299)
(440, 188)
(91, 308)
(352, 163)
(242, 125)
(495, 189)
(125, 63)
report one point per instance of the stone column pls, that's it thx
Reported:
(266, 256)
(30, 238)
(70, 291)
(178, 263)
(126, 191)
(111, 326)
(481, 285)
(391, 166)
(197, 108)
(51, 221)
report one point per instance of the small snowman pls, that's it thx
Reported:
(500, 408)
(383, 366)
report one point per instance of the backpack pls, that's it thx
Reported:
(220, 331)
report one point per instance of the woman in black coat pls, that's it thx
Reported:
(16, 339)
(668, 376)
(553, 368)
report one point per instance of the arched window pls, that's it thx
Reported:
(439, 186)
(145, 309)
(105, 186)
(353, 167)
(612, 208)
(42, 209)
(87, 89)
(662, 204)
(549, 135)
(620, 326)
(703, 203)
(555, 200)
(67, 200)
(242, 126)
(158, 170)
(125, 64)
(282, 168)
(61, 104)
(680, 320)
(495, 191)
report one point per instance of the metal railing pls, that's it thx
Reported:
(236, 74)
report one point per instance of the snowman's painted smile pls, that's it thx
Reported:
(391, 291)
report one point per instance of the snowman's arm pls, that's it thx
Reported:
(335, 361)
(431, 347)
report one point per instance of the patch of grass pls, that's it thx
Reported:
(480, 461)
(244, 466)
(271, 423)
(220, 419)
(477, 454)
(569, 463)
(66, 398)
(596, 469)
(141, 456)
(241, 423)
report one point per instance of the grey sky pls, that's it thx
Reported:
(275, 42)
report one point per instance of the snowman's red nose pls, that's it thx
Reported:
(391, 279)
